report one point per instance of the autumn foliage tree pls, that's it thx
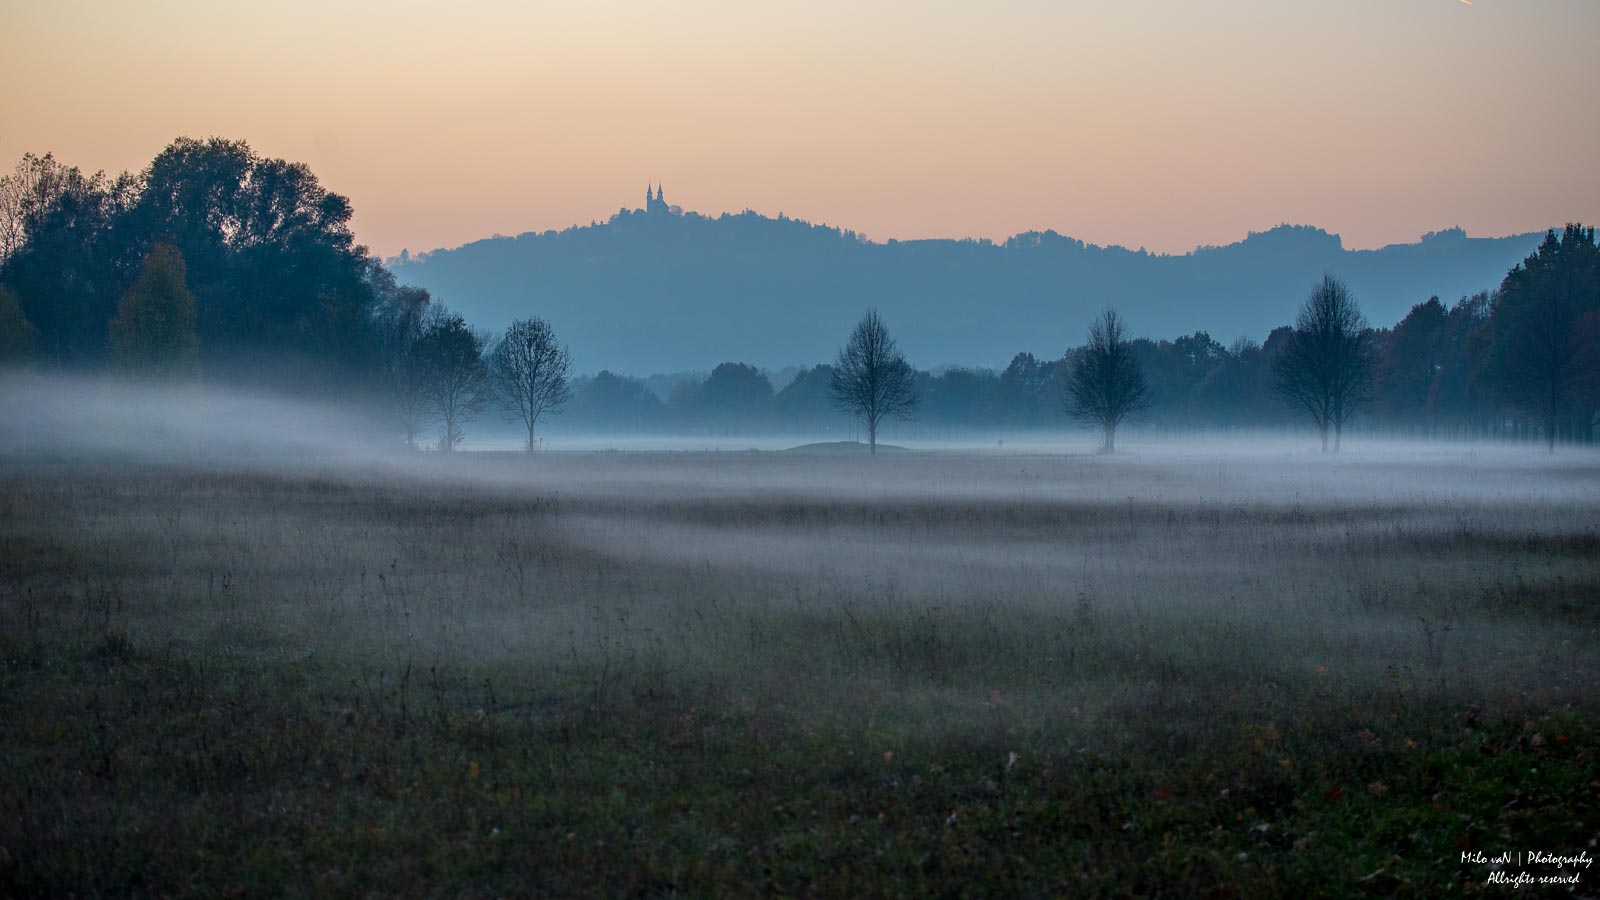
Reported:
(153, 333)
(19, 340)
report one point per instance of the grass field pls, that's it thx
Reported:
(748, 673)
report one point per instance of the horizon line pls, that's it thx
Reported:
(781, 216)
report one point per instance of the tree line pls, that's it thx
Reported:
(215, 262)
(1522, 360)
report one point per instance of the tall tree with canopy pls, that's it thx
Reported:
(282, 291)
(282, 286)
(1410, 361)
(68, 252)
(1542, 353)
(736, 395)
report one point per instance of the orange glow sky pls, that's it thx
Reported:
(1155, 123)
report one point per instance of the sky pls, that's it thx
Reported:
(1159, 124)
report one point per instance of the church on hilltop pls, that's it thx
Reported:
(656, 203)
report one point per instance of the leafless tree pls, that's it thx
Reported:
(32, 187)
(1325, 368)
(13, 231)
(871, 378)
(1107, 384)
(529, 372)
(455, 379)
(403, 317)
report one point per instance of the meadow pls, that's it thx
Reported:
(1209, 673)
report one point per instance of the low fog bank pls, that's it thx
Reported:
(1270, 442)
(86, 418)
(57, 418)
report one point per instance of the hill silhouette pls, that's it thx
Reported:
(659, 289)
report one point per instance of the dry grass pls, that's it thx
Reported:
(737, 673)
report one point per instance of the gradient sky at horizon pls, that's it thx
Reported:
(1161, 123)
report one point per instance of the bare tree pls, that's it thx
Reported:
(871, 378)
(403, 316)
(1325, 368)
(529, 372)
(13, 194)
(1107, 384)
(455, 380)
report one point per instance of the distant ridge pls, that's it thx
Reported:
(660, 290)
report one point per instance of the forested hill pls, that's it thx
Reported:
(665, 291)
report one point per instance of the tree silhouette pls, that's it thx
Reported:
(871, 378)
(153, 334)
(735, 395)
(1324, 368)
(1543, 353)
(402, 316)
(455, 380)
(284, 291)
(806, 401)
(66, 251)
(19, 340)
(529, 372)
(614, 401)
(1411, 359)
(1107, 384)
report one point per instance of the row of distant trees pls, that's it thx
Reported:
(1523, 359)
(213, 259)
(438, 370)
(217, 262)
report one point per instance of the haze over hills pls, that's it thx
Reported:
(658, 289)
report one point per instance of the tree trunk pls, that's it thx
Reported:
(1111, 440)
(530, 439)
(872, 437)
(1338, 436)
(1324, 431)
(447, 441)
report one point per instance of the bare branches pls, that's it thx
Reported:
(871, 378)
(529, 372)
(455, 381)
(1325, 369)
(1107, 384)
(402, 315)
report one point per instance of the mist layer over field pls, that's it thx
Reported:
(769, 658)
